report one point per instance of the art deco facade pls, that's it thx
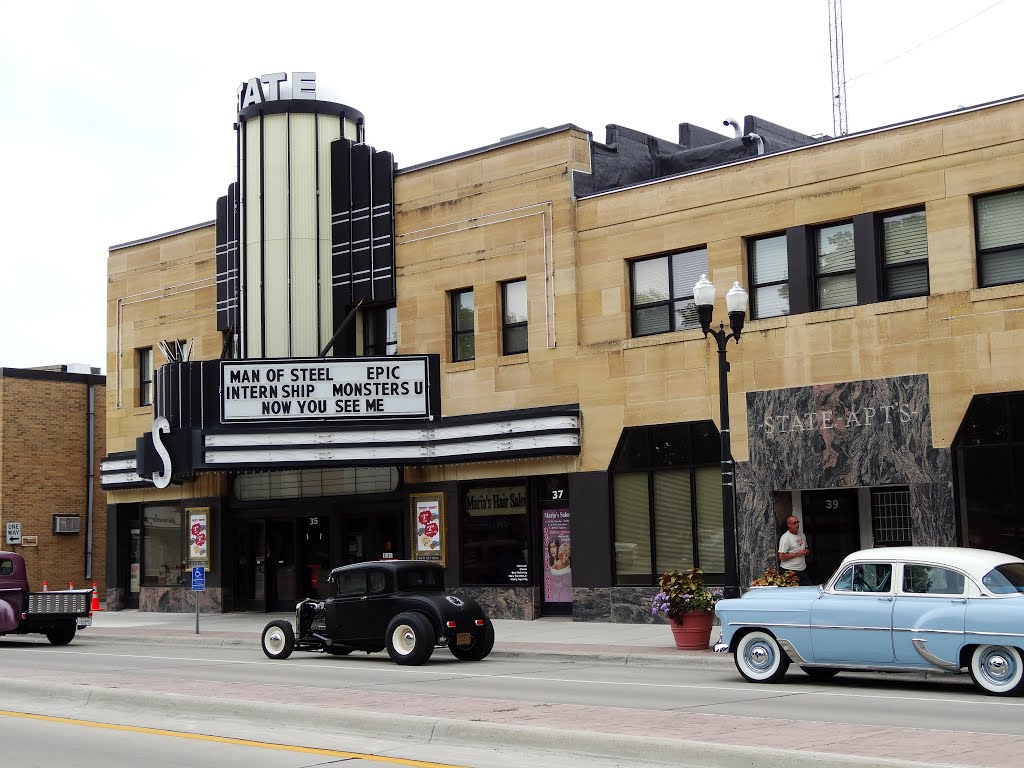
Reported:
(537, 293)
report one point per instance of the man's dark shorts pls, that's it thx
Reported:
(804, 577)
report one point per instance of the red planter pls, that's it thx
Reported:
(693, 633)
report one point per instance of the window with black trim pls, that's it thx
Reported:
(514, 335)
(769, 276)
(463, 338)
(891, 525)
(835, 278)
(380, 331)
(667, 501)
(904, 255)
(144, 358)
(496, 534)
(662, 292)
(999, 220)
(988, 459)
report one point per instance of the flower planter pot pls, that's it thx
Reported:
(693, 633)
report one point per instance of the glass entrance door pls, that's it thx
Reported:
(282, 575)
(372, 535)
(251, 550)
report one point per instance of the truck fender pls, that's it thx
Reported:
(8, 618)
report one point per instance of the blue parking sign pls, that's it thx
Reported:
(198, 578)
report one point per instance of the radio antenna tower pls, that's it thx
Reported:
(840, 126)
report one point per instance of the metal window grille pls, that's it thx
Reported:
(890, 517)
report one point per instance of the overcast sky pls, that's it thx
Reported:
(117, 117)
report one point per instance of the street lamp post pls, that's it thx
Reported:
(736, 302)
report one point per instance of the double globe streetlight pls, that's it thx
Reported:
(736, 303)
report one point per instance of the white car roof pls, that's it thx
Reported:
(974, 561)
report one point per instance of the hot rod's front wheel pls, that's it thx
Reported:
(410, 639)
(760, 659)
(481, 646)
(278, 639)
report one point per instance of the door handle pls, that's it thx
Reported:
(961, 600)
(885, 599)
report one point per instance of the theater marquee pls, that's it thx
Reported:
(290, 389)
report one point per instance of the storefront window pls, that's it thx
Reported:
(495, 536)
(163, 553)
(989, 456)
(668, 508)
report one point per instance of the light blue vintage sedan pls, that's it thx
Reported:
(892, 609)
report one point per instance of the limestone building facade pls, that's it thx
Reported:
(493, 360)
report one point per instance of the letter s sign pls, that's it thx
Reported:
(161, 427)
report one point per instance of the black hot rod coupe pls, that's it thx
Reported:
(400, 605)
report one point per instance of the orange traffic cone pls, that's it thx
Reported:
(46, 587)
(71, 585)
(95, 599)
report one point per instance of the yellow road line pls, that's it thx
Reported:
(228, 740)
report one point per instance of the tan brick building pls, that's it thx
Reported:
(51, 444)
(550, 424)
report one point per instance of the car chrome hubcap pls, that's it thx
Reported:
(998, 667)
(404, 639)
(275, 641)
(759, 657)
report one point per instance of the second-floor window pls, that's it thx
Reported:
(769, 277)
(835, 275)
(145, 361)
(904, 255)
(463, 338)
(513, 318)
(1000, 231)
(380, 331)
(662, 292)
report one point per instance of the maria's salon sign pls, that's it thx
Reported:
(290, 389)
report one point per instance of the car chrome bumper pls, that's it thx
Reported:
(721, 648)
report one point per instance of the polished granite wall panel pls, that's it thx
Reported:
(591, 604)
(505, 602)
(842, 435)
(180, 600)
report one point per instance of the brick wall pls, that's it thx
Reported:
(43, 467)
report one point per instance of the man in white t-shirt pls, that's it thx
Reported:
(793, 551)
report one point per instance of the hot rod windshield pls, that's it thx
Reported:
(420, 580)
(1005, 579)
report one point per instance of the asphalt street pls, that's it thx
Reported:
(614, 691)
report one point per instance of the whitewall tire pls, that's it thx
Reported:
(997, 669)
(760, 659)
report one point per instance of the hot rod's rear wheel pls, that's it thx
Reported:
(482, 644)
(410, 639)
(278, 639)
(760, 659)
(997, 669)
(62, 635)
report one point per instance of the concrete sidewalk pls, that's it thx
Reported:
(561, 637)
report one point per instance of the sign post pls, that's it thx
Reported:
(198, 585)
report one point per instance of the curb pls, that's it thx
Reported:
(693, 659)
(425, 730)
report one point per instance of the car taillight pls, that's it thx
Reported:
(479, 622)
(451, 624)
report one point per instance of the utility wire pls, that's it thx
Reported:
(925, 42)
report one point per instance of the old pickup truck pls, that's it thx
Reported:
(58, 615)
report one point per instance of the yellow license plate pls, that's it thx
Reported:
(464, 638)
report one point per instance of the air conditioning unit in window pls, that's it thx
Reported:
(66, 523)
